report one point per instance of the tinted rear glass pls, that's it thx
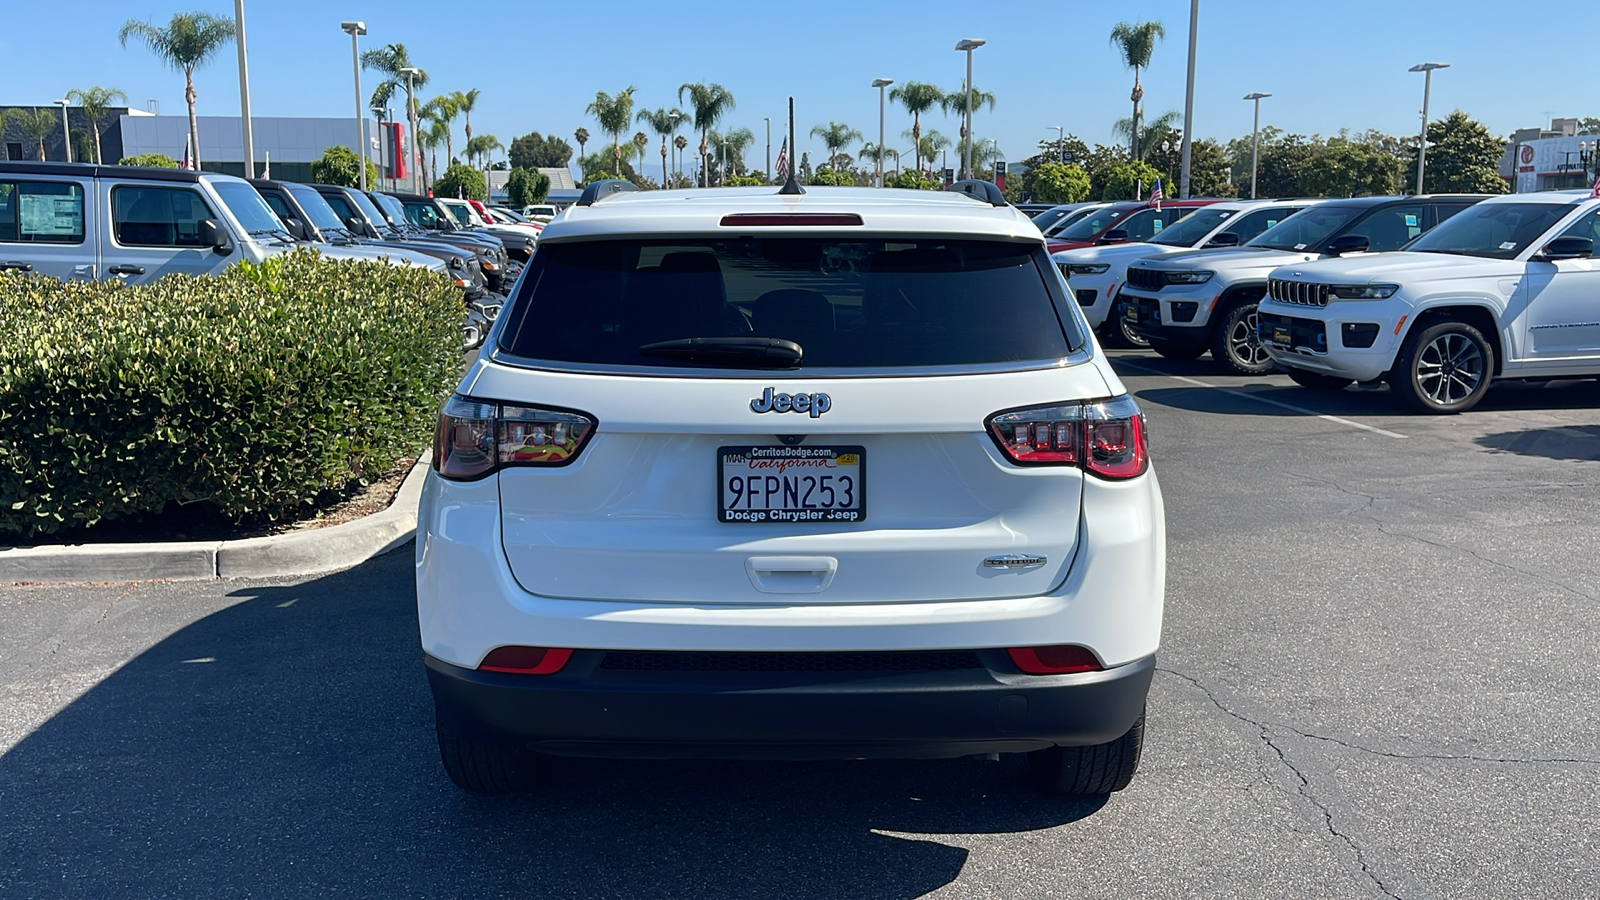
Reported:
(847, 303)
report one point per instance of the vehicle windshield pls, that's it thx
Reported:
(253, 213)
(868, 303)
(1089, 226)
(1067, 220)
(1306, 229)
(368, 209)
(508, 215)
(317, 209)
(1189, 231)
(423, 215)
(393, 210)
(1050, 217)
(1492, 230)
(462, 213)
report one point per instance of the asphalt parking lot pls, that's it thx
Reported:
(1377, 679)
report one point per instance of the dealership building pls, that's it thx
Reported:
(1549, 159)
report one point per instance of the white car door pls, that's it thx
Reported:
(151, 230)
(44, 225)
(1561, 321)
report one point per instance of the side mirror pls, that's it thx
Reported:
(1225, 239)
(214, 237)
(296, 228)
(1566, 248)
(1348, 243)
(1114, 236)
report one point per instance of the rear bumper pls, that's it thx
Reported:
(588, 711)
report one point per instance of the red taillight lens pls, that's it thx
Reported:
(475, 438)
(525, 660)
(1061, 659)
(1105, 437)
(786, 220)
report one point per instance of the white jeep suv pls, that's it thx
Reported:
(650, 529)
(1188, 303)
(1507, 289)
(1095, 273)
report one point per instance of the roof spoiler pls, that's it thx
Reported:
(600, 190)
(985, 191)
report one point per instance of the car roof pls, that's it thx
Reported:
(882, 210)
(92, 170)
(1558, 197)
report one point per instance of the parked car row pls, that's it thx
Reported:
(134, 224)
(1437, 295)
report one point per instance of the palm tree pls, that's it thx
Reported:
(663, 122)
(429, 139)
(733, 144)
(582, 137)
(680, 142)
(927, 146)
(188, 42)
(711, 102)
(37, 124)
(442, 109)
(1149, 130)
(1137, 41)
(835, 137)
(956, 102)
(95, 102)
(465, 102)
(482, 145)
(614, 114)
(917, 97)
(389, 60)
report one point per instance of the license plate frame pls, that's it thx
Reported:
(1282, 335)
(736, 461)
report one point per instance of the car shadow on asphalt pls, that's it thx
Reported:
(283, 747)
(1573, 442)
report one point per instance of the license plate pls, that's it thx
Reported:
(1131, 313)
(791, 484)
(1280, 335)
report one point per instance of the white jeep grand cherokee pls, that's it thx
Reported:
(1507, 289)
(833, 474)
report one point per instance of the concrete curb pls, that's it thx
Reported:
(310, 552)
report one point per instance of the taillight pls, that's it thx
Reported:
(1060, 659)
(1105, 437)
(475, 438)
(525, 660)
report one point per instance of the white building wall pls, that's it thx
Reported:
(299, 140)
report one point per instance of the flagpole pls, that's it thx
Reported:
(791, 185)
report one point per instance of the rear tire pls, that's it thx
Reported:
(1236, 345)
(1177, 351)
(1086, 771)
(1444, 368)
(483, 767)
(1316, 381)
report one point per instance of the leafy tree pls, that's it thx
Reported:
(597, 167)
(534, 151)
(340, 165)
(462, 181)
(836, 136)
(917, 97)
(1463, 157)
(1136, 41)
(1342, 168)
(1055, 182)
(1123, 181)
(525, 188)
(389, 60)
(614, 114)
(825, 175)
(189, 41)
(663, 122)
(37, 124)
(915, 180)
(1209, 170)
(1589, 125)
(1281, 164)
(745, 181)
(710, 103)
(158, 160)
(95, 103)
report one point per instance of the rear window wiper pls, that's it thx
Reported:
(750, 352)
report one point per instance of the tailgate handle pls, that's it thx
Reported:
(791, 574)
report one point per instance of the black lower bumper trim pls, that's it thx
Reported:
(587, 711)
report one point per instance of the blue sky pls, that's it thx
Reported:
(1329, 66)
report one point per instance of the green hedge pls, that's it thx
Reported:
(252, 390)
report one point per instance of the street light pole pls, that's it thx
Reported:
(1188, 99)
(1255, 140)
(1061, 143)
(244, 97)
(355, 30)
(411, 119)
(880, 84)
(1427, 85)
(768, 120)
(968, 45)
(383, 164)
(66, 133)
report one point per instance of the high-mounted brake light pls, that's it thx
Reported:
(475, 438)
(1061, 659)
(525, 660)
(1103, 437)
(784, 220)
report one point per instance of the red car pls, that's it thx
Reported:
(1118, 223)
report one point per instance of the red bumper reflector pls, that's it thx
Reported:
(785, 220)
(1058, 660)
(525, 660)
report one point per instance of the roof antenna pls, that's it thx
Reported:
(791, 186)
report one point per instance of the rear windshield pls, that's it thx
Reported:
(847, 303)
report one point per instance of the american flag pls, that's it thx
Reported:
(1595, 191)
(188, 162)
(1156, 195)
(781, 169)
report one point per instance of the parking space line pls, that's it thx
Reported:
(1248, 396)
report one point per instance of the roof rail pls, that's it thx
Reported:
(599, 190)
(985, 191)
